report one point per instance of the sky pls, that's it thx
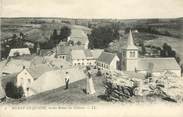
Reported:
(117, 9)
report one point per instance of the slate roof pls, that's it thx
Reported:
(78, 54)
(88, 53)
(159, 64)
(96, 53)
(38, 70)
(63, 50)
(54, 79)
(15, 66)
(81, 54)
(106, 57)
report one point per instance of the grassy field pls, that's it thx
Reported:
(175, 43)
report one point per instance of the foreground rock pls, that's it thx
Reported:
(123, 87)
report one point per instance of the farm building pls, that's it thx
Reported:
(63, 52)
(84, 57)
(19, 52)
(108, 61)
(28, 75)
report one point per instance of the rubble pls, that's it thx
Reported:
(167, 87)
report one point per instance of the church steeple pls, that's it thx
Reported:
(130, 43)
(129, 55)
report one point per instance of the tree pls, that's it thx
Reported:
(143, 48)
(181, 68)
(14, 36)
(21, 35)
(65, 32)
(54, 37)
(167, 51)
(78, 43)
(100, 37)
(177, 59)
(71, 42)
(12, 91)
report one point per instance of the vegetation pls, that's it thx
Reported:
(167, 51)
(55, 38)
(99, 73)
(101, 36)
(12, 91)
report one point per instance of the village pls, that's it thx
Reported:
(89, 74)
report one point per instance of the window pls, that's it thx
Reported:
(63, 57)
(29, 80)
(132, 54)
(124, 53)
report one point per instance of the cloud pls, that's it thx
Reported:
(93, 8)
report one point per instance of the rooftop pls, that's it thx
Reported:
(158, 64)
(106, 57)
(130, 42)
(78, 54)
(96, 53)
(37, 70)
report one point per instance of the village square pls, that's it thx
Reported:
(76, 69)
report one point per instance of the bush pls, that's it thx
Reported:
(99, 73)
(12, 91)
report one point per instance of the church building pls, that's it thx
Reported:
(130, 61)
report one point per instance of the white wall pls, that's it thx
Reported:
(62, 57)
(81, 62)
(131, 64)
(113, 65)
(24, 79)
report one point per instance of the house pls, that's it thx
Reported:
(79, 37)
(78, 57)
(82, 57)
(89, 57)
(28, 75)
(131, 62)
(19, 52)
(63, 52)
(107, 61)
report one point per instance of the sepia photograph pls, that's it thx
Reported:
(94, 57)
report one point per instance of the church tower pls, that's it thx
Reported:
(129, 55)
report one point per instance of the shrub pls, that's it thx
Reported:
(99, 73)
(12, 91)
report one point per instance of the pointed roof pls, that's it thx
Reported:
(130, 42)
